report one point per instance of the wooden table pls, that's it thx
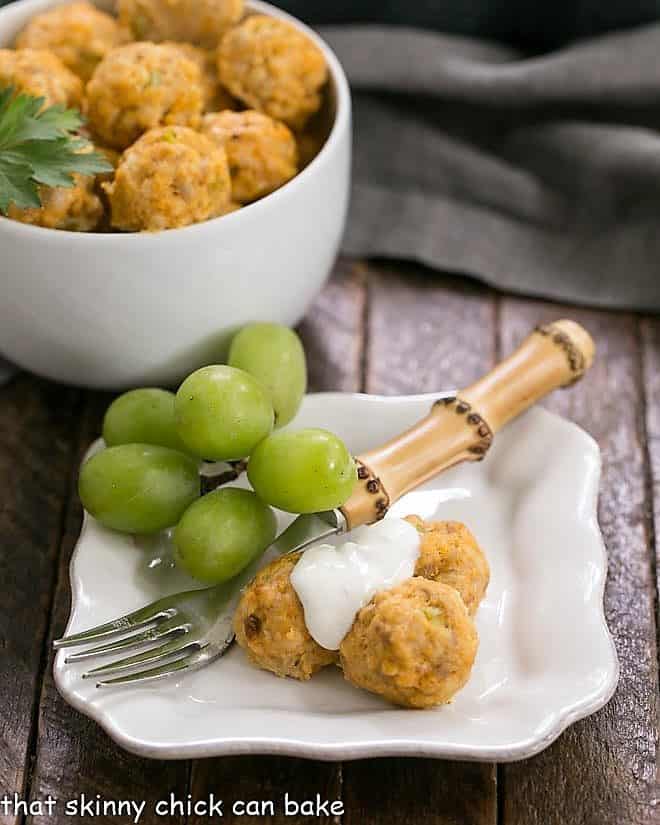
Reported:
(382, 329)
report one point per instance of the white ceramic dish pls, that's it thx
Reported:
(546, 657)
(124, 310)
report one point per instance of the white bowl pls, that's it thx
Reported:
(119, 310)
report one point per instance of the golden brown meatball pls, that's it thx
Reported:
(40, 73)
(78, 33)
(449, 553)
(270, 625)
(273, 67)
(215, 97)
(140, 86)
(232, 206)
(414, 644)
(261, 152)
(196, 21)
(77, 209)
(172, 177)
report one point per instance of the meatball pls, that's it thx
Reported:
(232, 206)
(78, 208)
(78, 33)
(40, 73)
(215, 97)
(140, 86)
(270, 625)
(449, 553)
(172, 177)
(273, 67)
(414, 644)
(196, 21)
(261, 152)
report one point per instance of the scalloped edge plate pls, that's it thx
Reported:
(546, 657)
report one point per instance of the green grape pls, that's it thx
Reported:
(303, 471)
(222, 413)
(138, 488)
(274, 355)
(143, 416)
(222, 532)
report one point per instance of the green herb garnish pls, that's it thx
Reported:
(40, 146)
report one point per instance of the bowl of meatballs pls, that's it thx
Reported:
(227, 127)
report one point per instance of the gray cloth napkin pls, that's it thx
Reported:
(537, 175)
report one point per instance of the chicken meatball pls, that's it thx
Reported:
(262, 153)
(273, 67)
(215, 97)
(414, 644)
(449, 553)
(232, 206)
(196, 21)
(270, 625)
(140, 86)
(40, 73)
(77, 209)
(171, 177)
(78, 33)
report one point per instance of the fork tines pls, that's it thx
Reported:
(165, 637)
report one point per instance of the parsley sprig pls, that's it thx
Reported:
(40, 146)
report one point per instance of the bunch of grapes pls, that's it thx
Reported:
(147, 478)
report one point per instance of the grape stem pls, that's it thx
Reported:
(215, 474)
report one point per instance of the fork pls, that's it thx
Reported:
(184, 631)
(187, 631)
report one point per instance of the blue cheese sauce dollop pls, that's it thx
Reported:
(334, 582)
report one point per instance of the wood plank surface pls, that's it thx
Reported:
(38, 431)
(73, 756)
(333, 330)
(602, 771)
(333, 337)
(650, 344)
(416, 327)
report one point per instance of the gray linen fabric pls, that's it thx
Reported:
(537, 175)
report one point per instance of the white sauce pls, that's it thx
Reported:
(334, 583)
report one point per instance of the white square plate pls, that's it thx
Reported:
(545, 659)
